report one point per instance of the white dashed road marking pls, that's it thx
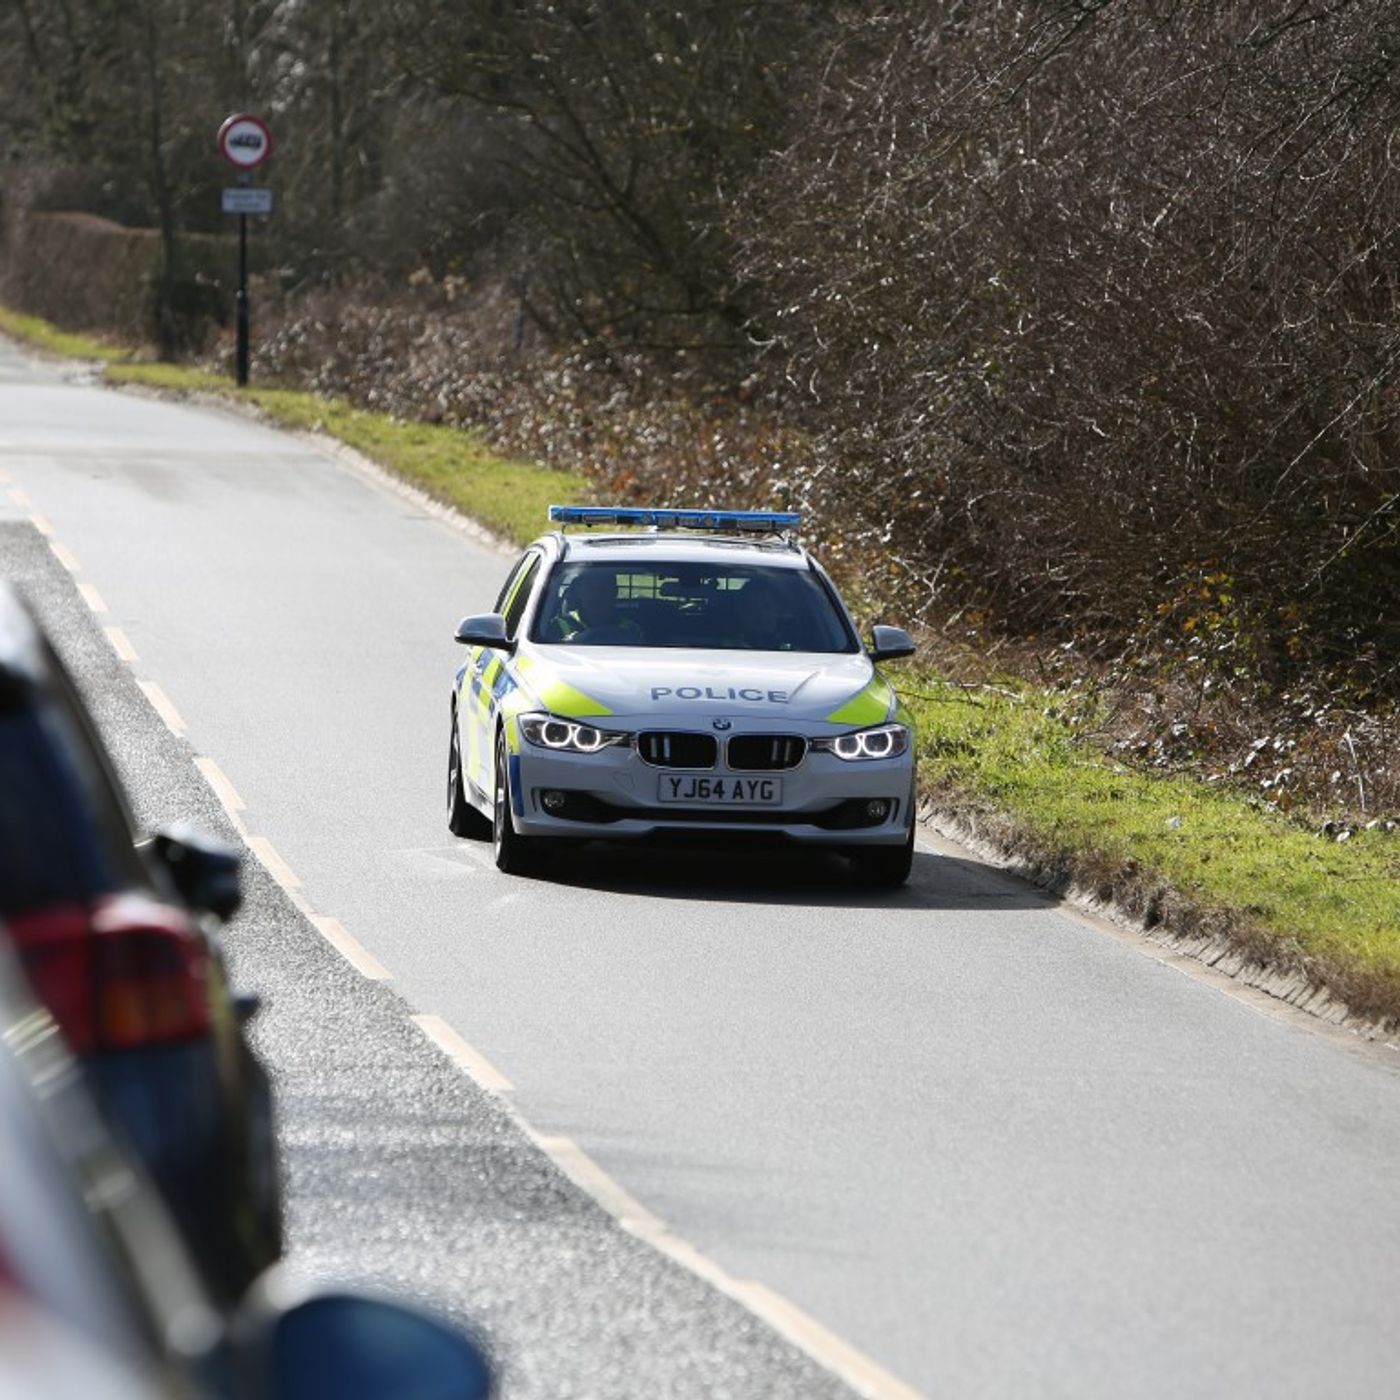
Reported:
(160, 703)
(275, 866)
(121, 644)
(476, 1065)
(864, 1376)
(359, 957)
(92, 598)
(65, 556)
(224, 790)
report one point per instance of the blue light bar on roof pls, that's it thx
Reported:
(765, 521)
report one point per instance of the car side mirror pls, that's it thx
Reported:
(890, 643)
(485, 630)
(207, 873)
(347, 1346)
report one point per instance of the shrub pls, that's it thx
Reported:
(87, 273)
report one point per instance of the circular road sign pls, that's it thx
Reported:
(245, 141)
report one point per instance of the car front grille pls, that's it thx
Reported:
(850, 815)
(765, 753)
(677, 749)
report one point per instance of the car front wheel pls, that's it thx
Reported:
(515, 854)
(883, 867)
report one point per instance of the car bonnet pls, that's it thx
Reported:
(643, 684)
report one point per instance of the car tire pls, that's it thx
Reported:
(515, 854)
(262, 1181)
(462, 818)
(883, 867)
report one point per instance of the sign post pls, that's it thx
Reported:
(245, 142)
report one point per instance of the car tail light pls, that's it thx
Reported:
(118, 974)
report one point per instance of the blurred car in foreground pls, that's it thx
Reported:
(116, 935)
(99, 1299)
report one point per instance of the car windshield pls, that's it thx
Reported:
(714, 606)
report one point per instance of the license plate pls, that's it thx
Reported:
(696, 791)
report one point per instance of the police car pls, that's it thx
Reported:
(687, 672)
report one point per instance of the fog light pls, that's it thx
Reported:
(877, 809)
(553, 801)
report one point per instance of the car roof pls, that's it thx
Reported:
(680, 548)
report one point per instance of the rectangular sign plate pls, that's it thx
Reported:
(243, 199)
(695, 790)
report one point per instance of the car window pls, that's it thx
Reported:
(744, 607)
(517, 601)
(53, 849)
(65, 835)
(508, 587)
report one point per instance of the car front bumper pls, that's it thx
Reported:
(615, 795)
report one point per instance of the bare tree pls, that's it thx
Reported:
(1094, 313)
(631, 120)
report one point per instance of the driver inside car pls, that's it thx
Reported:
(589, 612)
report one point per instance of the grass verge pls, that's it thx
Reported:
(44, 336)
(1173, 849)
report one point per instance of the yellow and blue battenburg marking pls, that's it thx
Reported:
(486, 682)
(767, 522)
(556, 696)
(490, 682)
(874, 704)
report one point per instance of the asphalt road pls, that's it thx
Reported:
(995, 1149)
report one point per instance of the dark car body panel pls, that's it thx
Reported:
(197, 1108)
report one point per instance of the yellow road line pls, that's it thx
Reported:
(20, 498)
(464, 1056)
(359, 957)
(224, 790)
(41, 524)
(92, 598)
(293, 892)
(275, 866)
(121, 644)
(586, 1174)
(160, 703)
(65, 556)
(864, 1375)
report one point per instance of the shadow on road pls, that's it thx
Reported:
(786, 876)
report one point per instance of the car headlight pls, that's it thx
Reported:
(567, 735)
(884, 741)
